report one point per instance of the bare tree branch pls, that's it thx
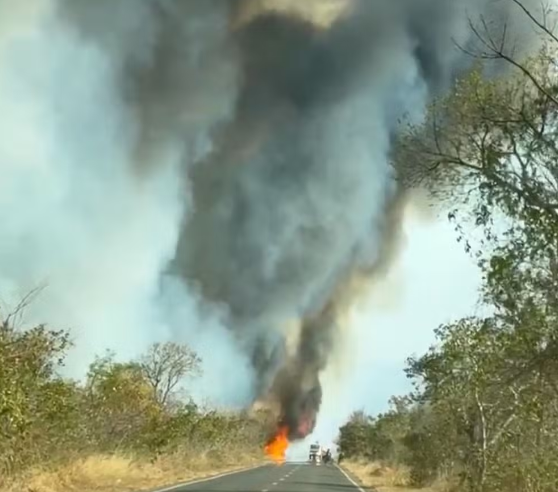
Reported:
(166, 365)
(16, 314)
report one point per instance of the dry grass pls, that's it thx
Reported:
(121, 474)
(384, 478)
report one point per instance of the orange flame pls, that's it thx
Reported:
(278, 445)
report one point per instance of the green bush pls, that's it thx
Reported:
(130, 407)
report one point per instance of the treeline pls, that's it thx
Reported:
(133, 408)
(484, 416)
(484, 413)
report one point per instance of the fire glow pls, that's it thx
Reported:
(277, 445)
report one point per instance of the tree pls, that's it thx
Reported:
(492, 143)
(494, 418)
(166, 365)
(120, 401)
(463, 379)
(31, 392)
(354, 436)
(377, 438)
(495, 139)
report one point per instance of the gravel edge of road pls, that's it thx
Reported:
(358, 483)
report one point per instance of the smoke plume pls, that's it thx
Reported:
(169, 153)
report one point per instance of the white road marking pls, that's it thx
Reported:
(208, 479)
(349, 478)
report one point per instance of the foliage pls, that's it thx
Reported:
(376, 438)
(128, 407)
(479, 413)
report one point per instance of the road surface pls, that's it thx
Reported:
(290, 477)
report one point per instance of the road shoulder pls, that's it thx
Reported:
(354, 479)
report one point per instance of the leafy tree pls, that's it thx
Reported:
(354, 436)
(492, 142)
(120, 400)
(31, 393)
(377, 438)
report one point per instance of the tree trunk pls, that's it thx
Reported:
(483, 446)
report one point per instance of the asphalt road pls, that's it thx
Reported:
(290, 477)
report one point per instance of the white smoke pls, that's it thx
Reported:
(76, 213)
(71, 215)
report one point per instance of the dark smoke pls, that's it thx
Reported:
(247, 162)
(259, 240)
(297, 385)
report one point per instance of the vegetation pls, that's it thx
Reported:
(124, 412)
(484, 413)
(483, 416)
